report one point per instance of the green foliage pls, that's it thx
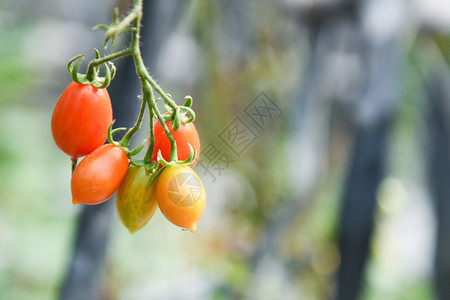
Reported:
(14, 74)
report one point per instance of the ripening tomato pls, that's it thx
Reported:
(181, 196)
(81, 119)
(135, 201)
(98, 176)
(186, 134)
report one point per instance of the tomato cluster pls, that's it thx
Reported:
(80, 123)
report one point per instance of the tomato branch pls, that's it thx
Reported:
(151, 146)
(123, 26)
(132, 22)
(160, 91)
(127, 137)
(90, 74)
(145, 79)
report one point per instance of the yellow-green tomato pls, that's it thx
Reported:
(136, 202)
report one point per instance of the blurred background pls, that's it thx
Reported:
(325, 151)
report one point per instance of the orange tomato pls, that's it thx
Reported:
(181, 196)
(99, 175)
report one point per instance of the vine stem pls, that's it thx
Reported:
(160, 91)
(136, 13)
(151, 146)
(145, 78)
(74, 163)
(133, 19)
(90, 74)
(127, 137)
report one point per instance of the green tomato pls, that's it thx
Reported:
(136, 202)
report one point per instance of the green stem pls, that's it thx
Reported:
(160, 91)
(145, 77)
(136, 13)
(90, 74)
(134, 16)
(133, 19)
(151, 146)
(173, 144)
(74, 164)
(127, 137)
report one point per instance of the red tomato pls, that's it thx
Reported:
(99, 175)
(186, 134)
(81, 119)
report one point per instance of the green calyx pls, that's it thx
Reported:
(92, 76)
(124, 143)
(179, 114)
(161, 164)
(188, 161)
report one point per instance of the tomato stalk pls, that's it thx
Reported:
(90, 74)
(74, 163)
(164, 95)
(127, 137)
(177, 114)
(145, 78)
(148, 154)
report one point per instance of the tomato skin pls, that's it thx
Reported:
(181, 196)
(81, 118)
(98, 176)
(186, 134)
(136, 204)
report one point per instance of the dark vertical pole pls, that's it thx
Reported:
(84, 277)
(373, 117)
(359, 203)
(439, 174)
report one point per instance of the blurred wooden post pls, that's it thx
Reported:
(439, 174)
(84, 278)
(374, 112)
(359, 204)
